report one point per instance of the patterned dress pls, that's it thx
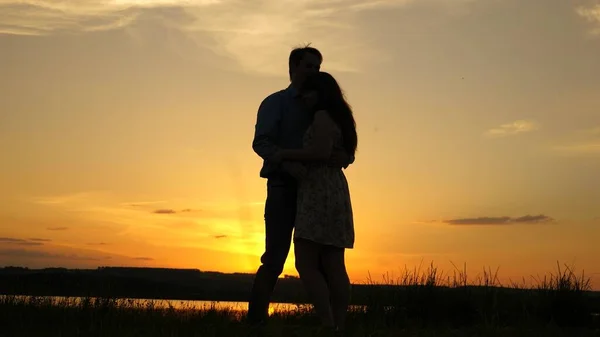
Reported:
(324, 211)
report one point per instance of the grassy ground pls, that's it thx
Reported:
(419, 304)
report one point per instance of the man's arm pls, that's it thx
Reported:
(267, 127)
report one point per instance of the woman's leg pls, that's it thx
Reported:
(339, 284)
(307, 263)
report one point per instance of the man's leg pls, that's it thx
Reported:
(280, 213)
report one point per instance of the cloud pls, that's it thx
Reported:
(206, 214)
(580, 149)
(164, 211)
(143, 203)
(64, 198)
(257, 35)
(40, 240)
(11, 240)
(377, 4)
(504, 220)
(46, 17)
(142, 258)
(260, 36)
(179, 222)
(57, 228)
(38, 254)
(516, 127)
(172, 211)
(30, 243)
(222, 236)
(96, 243)
(591, 14)
(424, 221)
(585, 143)
(20, 242)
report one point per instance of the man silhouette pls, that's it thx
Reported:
(281, 123)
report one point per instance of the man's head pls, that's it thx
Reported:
(304, 61)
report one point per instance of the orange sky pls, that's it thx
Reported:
(125, 131)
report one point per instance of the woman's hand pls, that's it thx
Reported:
(341, 159)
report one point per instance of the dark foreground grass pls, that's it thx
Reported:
(418, 304)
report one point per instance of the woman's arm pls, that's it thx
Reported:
(321, 145)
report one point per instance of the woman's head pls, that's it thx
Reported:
(320, 91)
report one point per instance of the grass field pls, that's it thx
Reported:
(418, 304)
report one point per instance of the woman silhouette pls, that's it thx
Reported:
(324, 225)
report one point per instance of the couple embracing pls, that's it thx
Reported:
(306, 135)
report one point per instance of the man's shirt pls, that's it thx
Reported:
(281, 123)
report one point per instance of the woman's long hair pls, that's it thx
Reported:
(331, 98)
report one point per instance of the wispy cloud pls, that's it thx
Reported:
(143, 203)
(514, 128)
(216, 213)
(39, 240)
(39, 254)
(165, 211)
(172, 211)
(222, 236)
(591, 148)
(374, 4)
(504, 220)
(46, 17)
(177, 223)
(20, 242)
(57, 228)
(63, 198)
(143, 258)
(591, 13)
(419, 222)
(584, 143)
(257, 35)
(11, 240)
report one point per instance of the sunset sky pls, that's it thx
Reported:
(126, 130)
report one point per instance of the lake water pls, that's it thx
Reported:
(160, 303)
